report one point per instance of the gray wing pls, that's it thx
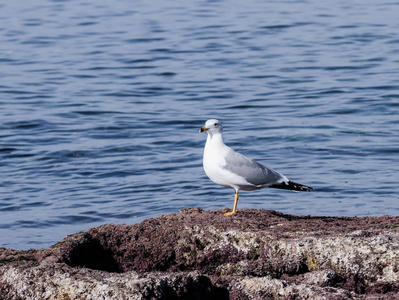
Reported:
(252, 171)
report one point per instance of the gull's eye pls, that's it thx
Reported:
(216, 124)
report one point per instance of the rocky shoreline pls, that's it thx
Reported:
(196, 254)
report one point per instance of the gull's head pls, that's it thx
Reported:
(212, 126)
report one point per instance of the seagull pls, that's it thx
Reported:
(228, 168)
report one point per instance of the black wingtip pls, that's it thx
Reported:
(291, 185)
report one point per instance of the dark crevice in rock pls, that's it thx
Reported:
(89, 253)
(188, 288)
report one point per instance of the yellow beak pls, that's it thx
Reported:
(203, 129)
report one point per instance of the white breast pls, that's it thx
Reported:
(214, 163)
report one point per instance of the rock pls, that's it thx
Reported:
(196, 254)
(58, 281)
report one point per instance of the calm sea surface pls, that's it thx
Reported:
(101, 103)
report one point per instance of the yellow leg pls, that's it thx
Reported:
(235, 206)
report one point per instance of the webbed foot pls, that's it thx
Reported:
(230, 213)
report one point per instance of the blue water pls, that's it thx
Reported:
(101, 103)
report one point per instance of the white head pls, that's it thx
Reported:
(212, 126)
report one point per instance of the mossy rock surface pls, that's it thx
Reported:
(196, 254)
